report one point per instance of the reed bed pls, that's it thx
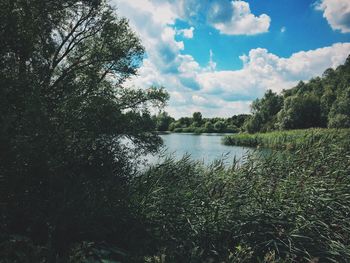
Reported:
(269, 209)
(292, 139)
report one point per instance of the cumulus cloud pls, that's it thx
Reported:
(337, 13)
(229, 17)
(235, 18)
(223, 93)
(263, 70)
(213, 92)
(153, 22)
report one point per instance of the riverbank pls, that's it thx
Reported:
(291, 139)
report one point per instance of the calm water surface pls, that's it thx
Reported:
(204, 147)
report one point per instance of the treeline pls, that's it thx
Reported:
(321, 102)
(198, 124)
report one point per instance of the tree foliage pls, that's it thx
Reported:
(198, 124)
(64, 120)
(322, 102)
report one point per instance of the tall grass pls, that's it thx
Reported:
(269, 209)
(292, 139)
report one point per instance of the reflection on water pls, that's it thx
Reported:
(204, 147)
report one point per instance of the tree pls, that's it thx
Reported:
(219, 126)
(238, 120)
(300, 112)
(163, 121)
(321, 102)
(339, 116)
(197, 119)
(209, 127)
(184, 122)
(264, 112)
(64, 119)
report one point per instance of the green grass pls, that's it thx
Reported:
(292, 139)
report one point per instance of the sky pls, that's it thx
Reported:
(217, 56)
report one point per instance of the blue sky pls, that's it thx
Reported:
(216, 56)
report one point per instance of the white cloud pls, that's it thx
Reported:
(263, 70)
(240, 20)
(152, 21)
(205, 88)
(161, 12)
(224, 93)
(283, 29)
(337, 13)
(187, 32)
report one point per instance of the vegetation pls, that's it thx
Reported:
(64, 114)
(71, 135)
(273, 208)
(198, 124)
(291, 139)
(322, 102)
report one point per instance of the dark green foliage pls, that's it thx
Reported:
(322, 102)
(64, 120)
(339, 115)
(264, 111)
(163, 121)
(197, 119)
(198, 124)
(300, 112)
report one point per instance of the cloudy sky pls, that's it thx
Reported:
(216, 56)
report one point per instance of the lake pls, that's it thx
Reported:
(204, 147)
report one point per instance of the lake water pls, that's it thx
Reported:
(204, 147)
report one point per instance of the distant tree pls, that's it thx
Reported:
(326, 102)
(264, 112)
(321, 102)
(329, 73)
(197, 117)
(253, 124)
(163, 121)
(339, 116)
(300, 112)
(220, 126)
(209, 127)
(238, 120)
(185, 122)
(339, 120)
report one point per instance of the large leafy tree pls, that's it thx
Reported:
(163, 120)
(70, 132)
(300, 112)
(339, 116)
(264, 111)
(197, 118)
